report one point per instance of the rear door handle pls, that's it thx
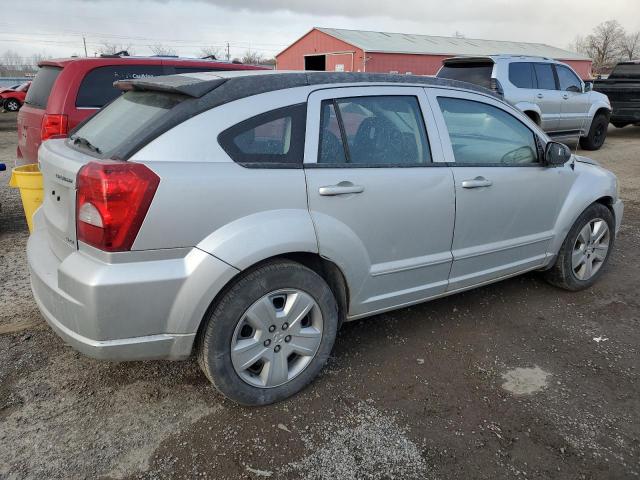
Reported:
(342, 188)
(565, 96)
(477, 182)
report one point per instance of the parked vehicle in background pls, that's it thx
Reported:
(12, 100)
(245, 216)
(12, 87)
(67, 91)
(623, 89)
(548, 91)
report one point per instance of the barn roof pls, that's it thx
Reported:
(386, 42)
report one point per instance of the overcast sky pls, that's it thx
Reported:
(55, 27)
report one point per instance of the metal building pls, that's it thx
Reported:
(334, 49)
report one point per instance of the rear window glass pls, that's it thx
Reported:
(477, 73)
(274, 138)
(521, 75)
(96, 89)
(123, 120)
(628, 70)
(40, 89)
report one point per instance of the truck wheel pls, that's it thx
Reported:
(597, 133)
(270, 334)
(585, 251)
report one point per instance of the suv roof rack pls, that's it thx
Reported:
(121, 53)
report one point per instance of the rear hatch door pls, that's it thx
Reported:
(59, 164)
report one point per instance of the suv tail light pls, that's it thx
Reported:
(112, 200)
(497, 87)
(54, 126)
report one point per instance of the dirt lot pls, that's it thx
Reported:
(415, 394)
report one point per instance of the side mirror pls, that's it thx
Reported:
(556, 154)
(588, 86)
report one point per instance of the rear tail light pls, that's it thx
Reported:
(497, 87)
(54, 126)
(112, 200)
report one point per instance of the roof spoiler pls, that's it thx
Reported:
(182, 84)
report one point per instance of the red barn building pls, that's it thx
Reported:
(334, 49)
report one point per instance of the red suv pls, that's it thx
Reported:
(12, 99)
(67, 91)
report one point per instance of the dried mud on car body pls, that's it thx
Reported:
(413, 394)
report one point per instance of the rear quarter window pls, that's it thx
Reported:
(521, 74)
(271, 139)
(38, 94)
(96, 89)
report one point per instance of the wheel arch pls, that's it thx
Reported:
(328, 270)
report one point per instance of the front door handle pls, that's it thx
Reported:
(540, 95)
(342, 188)
(565, 96)
(477, 182)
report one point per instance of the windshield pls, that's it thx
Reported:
(123, 120)
(626, 70)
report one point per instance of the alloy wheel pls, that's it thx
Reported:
(276, 338)
(590, 249)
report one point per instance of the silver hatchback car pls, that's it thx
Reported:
(245, 216)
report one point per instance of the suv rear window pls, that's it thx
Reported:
(626, 70)
(478, 73)
(96, 89)
(40, 89)
(123, 120)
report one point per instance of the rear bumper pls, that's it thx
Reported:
(138, 310)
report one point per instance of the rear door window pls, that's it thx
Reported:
(477, 73)
(377, 130)
(96, 89)
(521, 75)
(38, 94)
(544, 75)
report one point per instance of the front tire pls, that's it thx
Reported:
(270, 333)
(597, 133)
(585, 251)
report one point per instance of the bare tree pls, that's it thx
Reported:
(603, 45)
(107, 48)
(207, 52)
(630, 45)
(164, 51)
(251, 57)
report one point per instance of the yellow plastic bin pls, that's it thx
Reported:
(29, 180)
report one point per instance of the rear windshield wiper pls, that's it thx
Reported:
(85, 143)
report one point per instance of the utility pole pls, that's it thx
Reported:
(84, 42)
(228, 53)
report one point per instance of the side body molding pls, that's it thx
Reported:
(251, 239)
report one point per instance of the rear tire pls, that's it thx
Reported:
(597, 133)
(270, 334)
(581, 260)
(12, 105)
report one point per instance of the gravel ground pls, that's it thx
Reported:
(513, 380)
